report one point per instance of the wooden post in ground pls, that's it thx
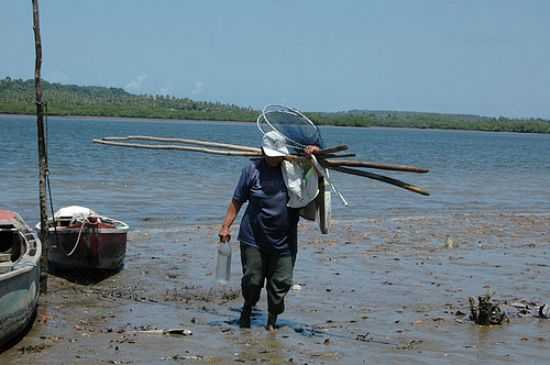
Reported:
(42, 159)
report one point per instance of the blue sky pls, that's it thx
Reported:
(489, 57)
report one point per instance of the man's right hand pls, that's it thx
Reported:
(225, 234)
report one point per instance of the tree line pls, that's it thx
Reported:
(17, 97)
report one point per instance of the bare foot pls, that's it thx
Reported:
(271, 320)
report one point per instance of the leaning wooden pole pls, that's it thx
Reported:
(42, 159)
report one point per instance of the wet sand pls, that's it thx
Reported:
(393, 290)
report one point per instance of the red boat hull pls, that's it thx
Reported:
(97, 248)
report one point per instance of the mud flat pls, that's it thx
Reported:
(393, 290)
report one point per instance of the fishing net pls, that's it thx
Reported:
(298, 130)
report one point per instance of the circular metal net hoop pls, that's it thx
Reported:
(298, 130)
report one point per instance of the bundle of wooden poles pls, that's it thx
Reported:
(329, 158)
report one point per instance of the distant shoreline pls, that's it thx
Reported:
(229, 122)
(73, 101)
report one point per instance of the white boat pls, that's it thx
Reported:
(20, 251)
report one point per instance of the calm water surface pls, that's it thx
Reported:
(470, 171)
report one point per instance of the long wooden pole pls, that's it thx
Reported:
(386, 179)
(194, 142)
(42, 164)
(239, 150)
(337, 148)
(180, 148)
(374, 165)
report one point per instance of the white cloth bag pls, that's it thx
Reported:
(302, 182)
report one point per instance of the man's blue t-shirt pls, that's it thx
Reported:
(267, 222)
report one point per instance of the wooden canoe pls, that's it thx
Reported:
(89, 243)
(20, 251)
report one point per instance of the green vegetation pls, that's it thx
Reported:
(17, 97)
(432, 120)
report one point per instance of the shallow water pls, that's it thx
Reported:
(470, 171)
(382, 286)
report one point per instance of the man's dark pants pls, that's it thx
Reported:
(276, 270)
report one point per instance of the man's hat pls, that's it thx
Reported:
(274, 144)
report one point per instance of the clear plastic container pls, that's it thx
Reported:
(223, 266)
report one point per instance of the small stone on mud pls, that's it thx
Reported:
(449, 243)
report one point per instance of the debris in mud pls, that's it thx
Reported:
(367, 338)
(122, 339)
(450, 243)
(485, 312)
(183, 357)
(171, 275)
(196, 294)
(409, 345)
(522, 308)
(170, 331)
(544, 311)
(30, 349)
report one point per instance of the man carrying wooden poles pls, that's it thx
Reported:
(268, 230)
